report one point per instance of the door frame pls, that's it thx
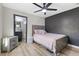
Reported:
(14, 23)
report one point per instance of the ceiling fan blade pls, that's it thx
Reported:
(48, 5)
(37, 11)
(37, 5)
(52, 9)
(44, 13)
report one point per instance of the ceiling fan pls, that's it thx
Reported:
(44, 8)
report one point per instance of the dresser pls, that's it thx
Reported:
(9, 43)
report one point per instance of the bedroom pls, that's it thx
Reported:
(60, 23)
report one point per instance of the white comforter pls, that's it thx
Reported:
(48, 39)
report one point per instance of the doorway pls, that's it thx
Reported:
(20, 27)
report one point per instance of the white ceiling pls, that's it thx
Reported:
(30, 8)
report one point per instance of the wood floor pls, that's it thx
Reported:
(37, 50)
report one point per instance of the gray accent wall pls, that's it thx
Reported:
(65, 23)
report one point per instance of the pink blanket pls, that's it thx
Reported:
(48, 40)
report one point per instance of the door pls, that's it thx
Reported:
(20, 27)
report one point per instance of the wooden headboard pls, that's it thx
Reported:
(37, 27)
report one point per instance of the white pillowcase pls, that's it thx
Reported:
(38, 31)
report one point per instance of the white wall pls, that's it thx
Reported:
(8, 27)
(0, 25)
(0, 21)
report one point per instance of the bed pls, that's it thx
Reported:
(52, 41)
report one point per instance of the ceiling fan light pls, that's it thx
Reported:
(44, 10)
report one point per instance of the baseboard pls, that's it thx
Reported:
(73, 46)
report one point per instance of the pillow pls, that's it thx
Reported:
(39, 31)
